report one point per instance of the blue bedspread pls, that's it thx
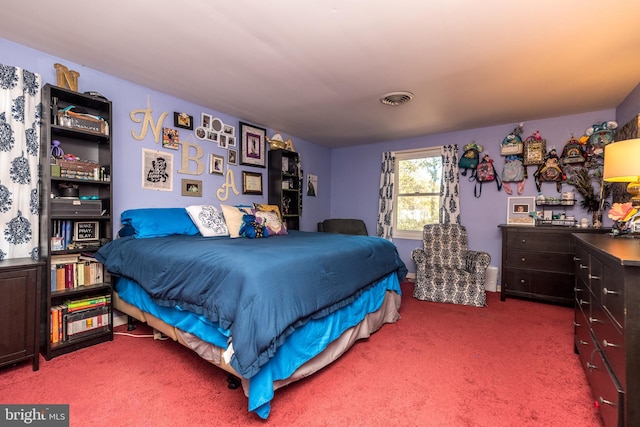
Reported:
(259, 289)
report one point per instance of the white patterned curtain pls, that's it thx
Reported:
(20, 116)
(450, 186)
(384, 227)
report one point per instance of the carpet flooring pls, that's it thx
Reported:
(508, 364)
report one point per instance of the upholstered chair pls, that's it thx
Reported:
(446, 270)
(343, 226)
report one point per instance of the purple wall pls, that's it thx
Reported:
(355, 175)
(127, 151)
(348, 178)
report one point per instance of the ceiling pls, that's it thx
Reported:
(316, 69)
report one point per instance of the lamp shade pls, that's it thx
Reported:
(622, 161)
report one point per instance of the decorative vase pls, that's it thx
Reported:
(597, 219)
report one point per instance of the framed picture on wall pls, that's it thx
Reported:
(191, 187)
(182, 120)
(519, 210)
(253, 148)
(216, 164)
(251, 183)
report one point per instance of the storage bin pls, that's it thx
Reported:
(491, 279)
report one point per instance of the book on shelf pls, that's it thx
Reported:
(76, 322)
(72, 271)
(87, 303)
(86, 322)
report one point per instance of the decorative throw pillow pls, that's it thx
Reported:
(271, 221)
(158, 222)
(233, 218)
(268, 208)
(208, 219)
(253, 227)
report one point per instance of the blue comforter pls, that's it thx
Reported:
(259, 289)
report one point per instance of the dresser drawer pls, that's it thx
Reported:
(612, 296)
(610, 340)
(584, 345)
(595, 277)
(561, 263)
(581, 260)
(535, 241)
(606, 391)
(554, 286)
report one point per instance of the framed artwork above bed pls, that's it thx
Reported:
(253, 148)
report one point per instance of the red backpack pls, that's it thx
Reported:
(485, 172)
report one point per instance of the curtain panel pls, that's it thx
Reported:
(20, 119)
(450, 186)
(384, 226)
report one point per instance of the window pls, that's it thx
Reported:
(417, 199)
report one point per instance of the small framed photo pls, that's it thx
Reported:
(232, 157)
(192, 187)
(170, 138)
(201, 133)
(206, 121)
(86, 231)
(519, 210)
(251, 183)
(216, 164)
(253, 148)
(182, 120)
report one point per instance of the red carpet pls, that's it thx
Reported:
(508, 364)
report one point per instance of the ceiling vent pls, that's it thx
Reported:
(396, 98)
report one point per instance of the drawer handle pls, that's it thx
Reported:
(583, 342)
(522, 281)
(592, 277)
(608, 402)
(575, 258)
(577, 290)
(524, 241)
(591, 366)
(583, 302)
(594, 320)
(584, 267)
(608, 344)
(523, 259)
(609, 292)
(576, 324)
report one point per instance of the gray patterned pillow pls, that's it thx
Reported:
(208, 219)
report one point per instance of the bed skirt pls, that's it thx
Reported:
(387, 313)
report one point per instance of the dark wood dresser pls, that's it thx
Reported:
(607, 323)
(537, 262)
(20, 281)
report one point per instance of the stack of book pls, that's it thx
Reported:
(78, 318)
(75, 270)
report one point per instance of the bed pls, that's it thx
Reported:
(267, 310)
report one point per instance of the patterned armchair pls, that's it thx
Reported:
(447, 271)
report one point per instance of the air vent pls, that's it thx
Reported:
(396, 98)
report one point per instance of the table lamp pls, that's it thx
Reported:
(622, 164)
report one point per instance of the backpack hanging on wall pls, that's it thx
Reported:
(470, 159)
(512, 148)
(573, 159)
(550, 171)
(514, 171)
(485, 172)
(512, 144)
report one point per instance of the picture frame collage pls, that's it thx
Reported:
(214, 130)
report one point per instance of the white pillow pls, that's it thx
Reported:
(233, 217)
(208, 219)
